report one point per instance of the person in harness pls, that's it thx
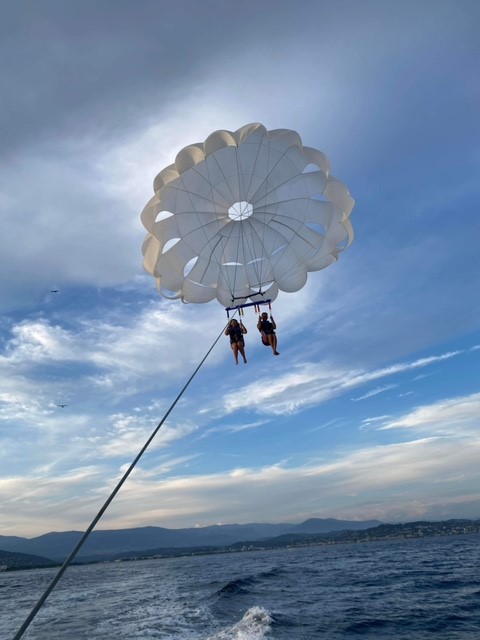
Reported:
(267, 329)
(236, 332)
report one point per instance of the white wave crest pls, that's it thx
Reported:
(253, 626)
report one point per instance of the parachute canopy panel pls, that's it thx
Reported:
(244, 215)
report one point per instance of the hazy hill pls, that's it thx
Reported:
(10, 561)
(103, 543)
(326, 525)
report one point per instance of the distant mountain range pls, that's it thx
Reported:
(107, 544)
(155, 542)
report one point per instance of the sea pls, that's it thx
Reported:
(403, 589)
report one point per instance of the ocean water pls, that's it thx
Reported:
(405, 589)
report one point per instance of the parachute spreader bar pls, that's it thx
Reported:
(241, 307)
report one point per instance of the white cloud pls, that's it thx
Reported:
(391, 482)
(124, 355)
(375, 392)
(129, 433)
(311, 384)
(369, 421)
(39, 341)
(452, 416)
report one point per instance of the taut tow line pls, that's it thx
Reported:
(82, 540)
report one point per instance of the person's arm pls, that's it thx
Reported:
(227, 330)
(273, 322)
(244, 329)
(259, 323)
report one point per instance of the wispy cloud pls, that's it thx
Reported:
(128, 434)
(117, 356)
(233, 428)
(422, 376)
(310, 384)
(375, 392)
(453, 415)
(346, 486)
(368, 422)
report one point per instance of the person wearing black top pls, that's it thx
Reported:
(267, 329)
(236, 332)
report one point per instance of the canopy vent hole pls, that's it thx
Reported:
(240, 211)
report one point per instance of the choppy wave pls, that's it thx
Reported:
(236, 587)
(244, 585)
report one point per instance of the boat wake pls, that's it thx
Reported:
(254, 625)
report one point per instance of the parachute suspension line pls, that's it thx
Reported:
(268, 192)
(214, 204)
(274, 166)
(260, 274)
(208, 241)
(251, 254)
(263, 267)
(223, 238)
(83, 539)
(232, 287)
(257, 308)
(257, 264)
(242, 194)
(252, 251)
(225, 257)
(259, 267)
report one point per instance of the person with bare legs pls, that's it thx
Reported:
(236, 332)
(267, 329)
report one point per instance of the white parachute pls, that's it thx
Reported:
(244, 215)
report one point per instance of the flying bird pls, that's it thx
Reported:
(54, 290)
(62, 405)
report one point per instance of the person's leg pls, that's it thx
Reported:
(272, 340)
(275, 352)
(241, 348)
(234, 346)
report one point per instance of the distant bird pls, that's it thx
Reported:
(62, 405)
(54, 290)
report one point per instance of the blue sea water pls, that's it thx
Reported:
(403, 589)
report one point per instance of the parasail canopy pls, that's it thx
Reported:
(242, 216)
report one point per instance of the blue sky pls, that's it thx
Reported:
(373, 408)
